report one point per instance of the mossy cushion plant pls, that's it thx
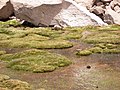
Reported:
(84, 53)
(6, 83)
(35, 60)
(2, 52)
(9, 23)
(109, 34)
(33, 38)
(104, 40)
(27, 43)
(100, 48)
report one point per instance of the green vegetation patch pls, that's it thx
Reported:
(104, 39)
(107, 34)
(100, 48)
(32, 38)
(84, 53)
(29, 43)
(11, 84)
(35, 61)
(9, 23)
(2, 52)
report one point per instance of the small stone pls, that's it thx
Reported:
(57, 27)
(88, 67)
(96, 86)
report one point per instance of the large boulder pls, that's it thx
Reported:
(53, 12)
(6, 9)
(38, 12)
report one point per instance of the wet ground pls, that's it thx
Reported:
(94, 72)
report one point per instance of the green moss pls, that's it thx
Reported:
(103, 37)
(29, 43)
(13, 23)
(111, 51)
(11, 84)
(101, 45)
(105, 40)
(111, 46)
(100, 48)
(84, 53)
(47, 32)
(72, 35)
(42, 69)
(2, 52)
(96, 50)
(35, 37)
(110, 28)
(35, 61)
(106, 34)
(32, 38)
(3, 77)
(6, 31)
(51, 44)
(4, 36)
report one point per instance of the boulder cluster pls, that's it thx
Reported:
(62, 12)
(107, 10)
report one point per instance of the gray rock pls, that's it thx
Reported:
(53, 12)
(6, 9)
(115, 17)
(37, 12)
(98, 10)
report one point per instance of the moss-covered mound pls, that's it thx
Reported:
(100, 48)
(27, 43)
(103, 39)
(2, 52)
(12, 84)
(84, 53)
(33, 38)
(35, 61)
(9, 23)
(109, 34)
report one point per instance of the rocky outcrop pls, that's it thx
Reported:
(43, 13)
(54, 12)
(62, 12)
(107, 10)
(38, 12)
(6, 9)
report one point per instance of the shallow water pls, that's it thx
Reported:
(103, 74)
